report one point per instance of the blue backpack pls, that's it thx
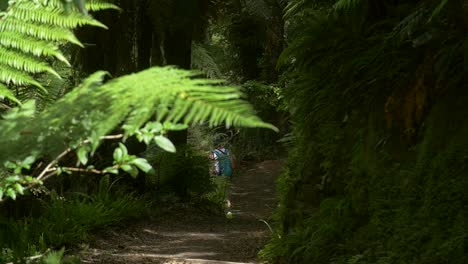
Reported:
(224, 162)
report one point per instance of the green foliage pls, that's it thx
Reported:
(258, 144)
(169, 93)
(68, 220)
(31, 33)
(186, 172)
(204, 61)
(40, 144)
(214, 201)
(54, 257)
(375, 93)
(174, 97)
(244, 42)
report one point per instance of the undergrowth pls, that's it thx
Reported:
(378, 105)
(67, 220)
(185, 176)
(385, 209)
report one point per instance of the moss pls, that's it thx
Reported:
(382, 137)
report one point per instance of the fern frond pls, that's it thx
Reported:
(91, 5)
(293, 7)
(203, 61)
(26, 63)
(39, 31)
(31, 31)
(10, 75)
(53, 16)
(94, 110)
(31, 46)
(409, 25)
(6, 93)
(97, 5)
(258, 8)
(347, 5)
(438, 9)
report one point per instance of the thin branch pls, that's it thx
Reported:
(68, 150)
(80, 170)
(50, 170)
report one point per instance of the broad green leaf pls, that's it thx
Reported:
(19, 189)
(82, 155)
(10, 165)
(12, 178)
(142, 164)
(124, 149)
(154, 127)
(111, 170)
(165, 143)
(29, 160)
(1, 194)
(126, 167)
(147, 138)
(130, 170)
(118, 154)
(11, 193)
(133, 172)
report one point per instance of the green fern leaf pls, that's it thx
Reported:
(96, 5)
(91, 5)
(31, 45)
(6, 93)
(26, 63)
(204, 61)
(94, 110)
(30, 31)
(31, 12)
(39, 31)
(10, 75)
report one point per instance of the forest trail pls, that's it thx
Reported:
(190, 236)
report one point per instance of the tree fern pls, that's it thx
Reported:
(55, 87)
(31, 31)
(50, 15)
(203, 60)
(6, 93)
(258, 8)
(94, 109)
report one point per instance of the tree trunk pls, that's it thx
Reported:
(178, 52)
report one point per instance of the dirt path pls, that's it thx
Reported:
(188, 236)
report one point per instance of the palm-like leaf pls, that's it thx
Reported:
(31, 31)
(94, 109)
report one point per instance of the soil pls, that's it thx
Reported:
(191, 236)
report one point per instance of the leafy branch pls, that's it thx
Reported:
(17, 183)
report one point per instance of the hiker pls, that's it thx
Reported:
(224, 162)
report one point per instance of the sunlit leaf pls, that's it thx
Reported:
(142, 164)
(165, 143)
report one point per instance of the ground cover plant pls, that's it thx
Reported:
(68, 220)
